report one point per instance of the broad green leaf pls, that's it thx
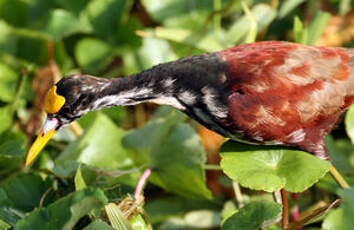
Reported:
(73, 6)
(153, 52)
(204, 42)
(263, 14)
(14, 12)
(349, 123)
(341, 152)
(139, 223)
(116, 217)
(287, 6)
(6, 114)
(188, 14)
(105, 15)
(92, 54)
(317, 26)
(25, 190)
(161, 209)
(8, 83)
(98, 225)
(173, 150)
(62, 23)
(99, 146)
(65, 212)
(271, 168)
(252, 216)
(8, 42)
(341, 218)
(4, 225)
(11, 155)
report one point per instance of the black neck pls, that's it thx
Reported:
(151, 85)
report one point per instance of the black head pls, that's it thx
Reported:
(78, 92)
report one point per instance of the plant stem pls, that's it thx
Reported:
(238, 194)
(141, 183)
(338, 177)
(285, 219)
(212, 167)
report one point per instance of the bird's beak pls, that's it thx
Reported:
(47, 132)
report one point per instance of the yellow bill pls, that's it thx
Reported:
(42, 139)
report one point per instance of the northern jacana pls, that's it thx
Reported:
(262, 93)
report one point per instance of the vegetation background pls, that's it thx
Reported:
(93, 165)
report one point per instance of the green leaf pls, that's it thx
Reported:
(317, 26)
(4, 225)
(341, 152)
(188, 14)
(341, 218)
(271, 168)
(173, 150)
(263, 14)
(161, 209)
(287, 6)
(252, 216)
(62, 23)
(105, 15)
(11, 155)
(8, 83)
(98, 225)
(300, 33)
(139, 223)
(25, 190)
(65, 212)
(99, 146)
(6, 114)
(116, 217)
(79, 180)
(153, 52)
(349, 123)
(92, 54)
(205, 42)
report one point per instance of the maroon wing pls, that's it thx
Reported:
(288, 93)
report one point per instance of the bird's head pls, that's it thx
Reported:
(65, 102)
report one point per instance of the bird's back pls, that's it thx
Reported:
(288, 93)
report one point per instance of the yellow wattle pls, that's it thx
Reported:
(53, 101)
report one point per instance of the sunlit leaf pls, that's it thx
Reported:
(287, 6)
(173, 150)
(8, 83)
(5, 117)
(99, 146)
(4, 225)
(349, 123)
(263, 14)
(92, 54)
(189, 14)
(65, 212)
(252, 216)
(62, 23)
(317, 27)
(139, 223)
(271, 168)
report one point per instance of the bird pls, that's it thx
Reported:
(264, 93)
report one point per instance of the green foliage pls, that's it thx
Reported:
(78, 174)
(173, 150)
(271, 169)
(252, 216)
